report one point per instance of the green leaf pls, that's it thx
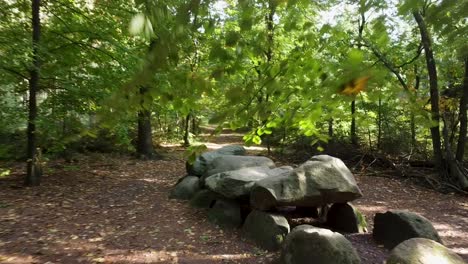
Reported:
(232, 37)
(194, 151)
(355, 56)
(257, 140)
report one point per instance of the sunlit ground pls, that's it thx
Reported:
(453, 233)
(213, 146)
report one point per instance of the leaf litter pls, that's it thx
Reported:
(115, 209)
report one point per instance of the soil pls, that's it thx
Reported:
(115, 209)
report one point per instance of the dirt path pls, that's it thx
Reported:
(111, 210)
(106, 209)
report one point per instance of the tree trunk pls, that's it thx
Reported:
(463, 117)
(33, 177)
(194, 127)
(330, 129)
(186, 130)
(413, 122)
(354, 139)
(413, 131)
(379, 125)
(434, 92)
(455, 169)
(145, 148)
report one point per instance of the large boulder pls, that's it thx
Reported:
(393, 227)
(198, 168)
(422, 251)
(308, 244)
(204, 199)
(226, 213)
(232, 162)
(238, 183)
(319, 181)
(343, 217)
(186, 188)
(267, 230)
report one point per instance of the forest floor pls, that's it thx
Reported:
(115, 209)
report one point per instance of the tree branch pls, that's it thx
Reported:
(418, 53)
(386, 62)
(86, 45)
(15, 72)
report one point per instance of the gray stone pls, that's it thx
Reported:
(238, 183)
(343, 217)
(232, 162)
(267, 230)
(204, 199)
(281, 170)
(186, 188)
(319, 181)
(308, 244)
(422, 251)
(198, 168)
(225, 213)
(393, 227)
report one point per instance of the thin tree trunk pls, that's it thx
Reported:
(194, 122)
(33, 177)
(434, 92)
(379, 125)
(283, 137)
(413, 131)
(186, 130)
(463, 117)
(145, 141)
(145, 147)
(369, 138)
(455, 168)
(354, 139)
(269, 56)
(412, 117)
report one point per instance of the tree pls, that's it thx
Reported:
(434, 90)
(145, 147)
(463, 117)
(34, 171)
(448, 167)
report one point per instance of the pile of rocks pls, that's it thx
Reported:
(251, 192)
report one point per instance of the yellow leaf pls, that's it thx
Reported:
(355, 86)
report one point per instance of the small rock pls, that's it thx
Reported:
(225, 213)
(186, 188)
(343, 217)
(393, 227)
(204, 199)
(267, 230)
(422, 251)
(308, 244)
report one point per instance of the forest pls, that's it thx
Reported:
(382, 85)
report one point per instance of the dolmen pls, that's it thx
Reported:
(252, 193)
(320, 181)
